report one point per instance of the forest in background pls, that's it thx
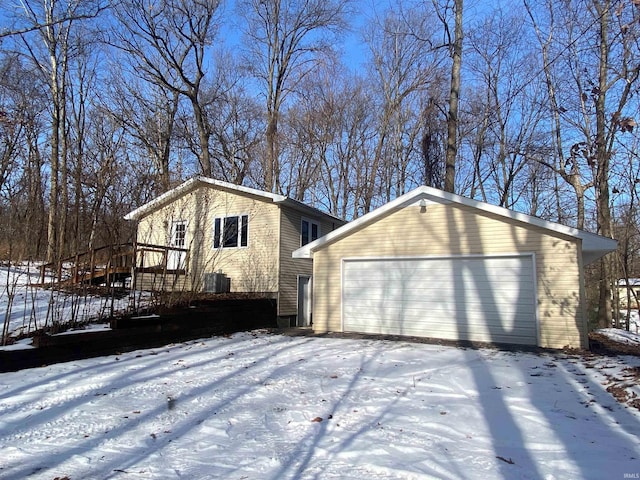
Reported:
(344, 105)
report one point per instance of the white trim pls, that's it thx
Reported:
(298, 277)
(342, 262)
(213, 233)
(173, 231)
(593, 246)
(536, 303)
(529, 255)
(187, 186)
(178, 259)
(190, 184)
(436, 257)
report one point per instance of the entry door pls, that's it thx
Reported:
(176, 260)
(304, 301)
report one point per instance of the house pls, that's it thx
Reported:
(629, 292)
(220, 233)
(439, 265)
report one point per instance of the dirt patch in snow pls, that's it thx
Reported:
(623, 385)
(603, 344)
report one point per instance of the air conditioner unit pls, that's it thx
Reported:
(216, 283)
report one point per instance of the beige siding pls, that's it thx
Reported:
(158, 282)
(458, 230)
(291, 268)
(252, 269)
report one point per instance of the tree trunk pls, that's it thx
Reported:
(203, 134)
(454, 96)
(63, 206)
(602, 173)
(270, 171)
(52, 221)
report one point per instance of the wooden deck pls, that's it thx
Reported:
(119, 263)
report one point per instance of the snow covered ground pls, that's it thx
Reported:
(621, 336)
(30, 308)
(263, 406)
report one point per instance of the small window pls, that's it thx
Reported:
(309, 231)
(231, 232)
(179, 234)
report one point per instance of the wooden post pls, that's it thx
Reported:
(134, 264)
(92, 264)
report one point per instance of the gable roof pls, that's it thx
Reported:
(593, 246)
(199, 180)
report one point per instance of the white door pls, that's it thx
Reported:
(477, 298)
(175, 259)
(304, 301)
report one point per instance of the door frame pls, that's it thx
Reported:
(304, 302)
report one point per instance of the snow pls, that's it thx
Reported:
(29, 307)
(243, 406)
(620, 336)
(258, 405)
(634, 319)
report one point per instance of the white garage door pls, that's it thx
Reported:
(484, 299)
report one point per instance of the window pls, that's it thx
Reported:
(309, 231)
(231, 232)
(179, 234)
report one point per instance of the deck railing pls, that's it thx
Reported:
(109, 263)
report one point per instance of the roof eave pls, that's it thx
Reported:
(186, 186)
(139, 212)
(594, 246)
(303, 207)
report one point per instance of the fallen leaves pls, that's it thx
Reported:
(320, 419)
(621, 388)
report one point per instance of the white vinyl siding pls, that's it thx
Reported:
(476, 298)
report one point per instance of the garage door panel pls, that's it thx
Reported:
(445, 282)
(488, 299)
(366, 278)
(467, 320)
(470, 313)
(452, 333)
(435, 293)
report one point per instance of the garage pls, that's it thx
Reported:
(476, 298)
(439, 265)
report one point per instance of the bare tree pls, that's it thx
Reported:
(626, 227)
(507, 134)
(54, 22)
(455, 44)
(167, 43)
(345, 166)
(592, 63)
(147, 112)
(285, 40)
(405, 69)
(21, 29)
(237, 133)
(568, 167)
